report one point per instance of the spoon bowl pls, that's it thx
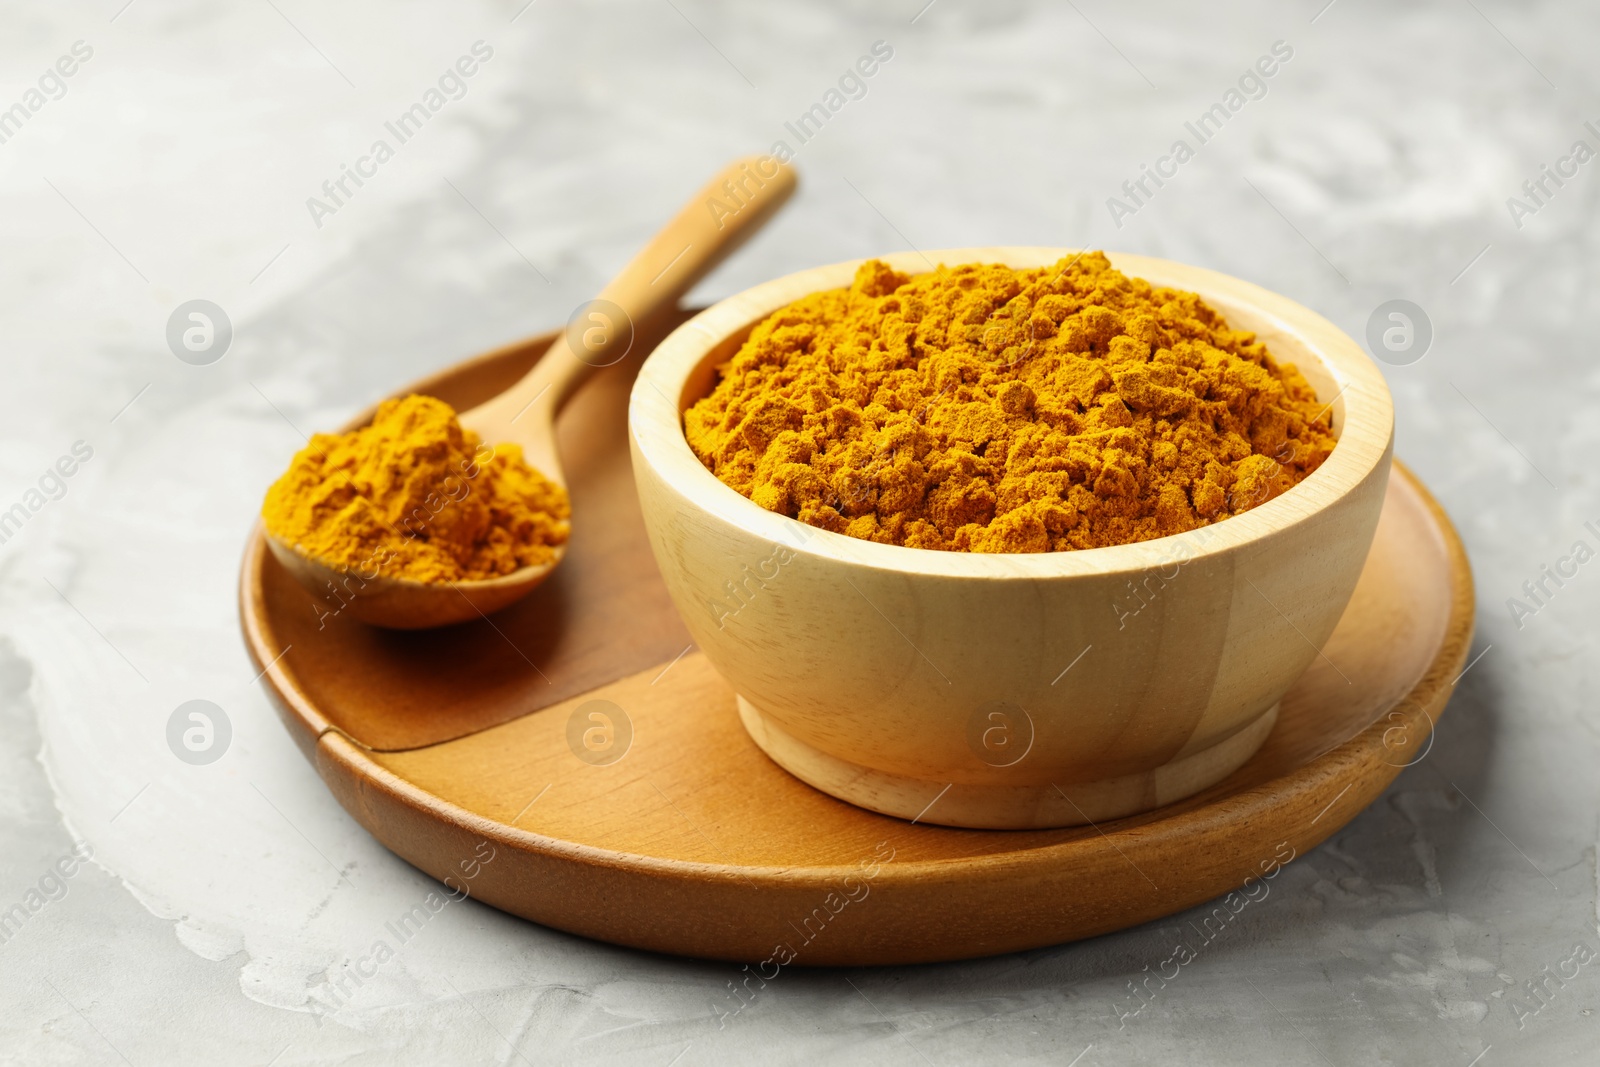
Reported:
(404, 603)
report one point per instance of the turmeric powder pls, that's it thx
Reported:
(985, 409)
(415, 495)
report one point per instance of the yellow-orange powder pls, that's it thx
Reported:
(414, 495)
(985, 409)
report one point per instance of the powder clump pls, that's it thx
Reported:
(985, 409)
(415, 495)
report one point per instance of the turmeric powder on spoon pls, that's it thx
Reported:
(415, 495)
(985, 409)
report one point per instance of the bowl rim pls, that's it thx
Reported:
(1365, 439)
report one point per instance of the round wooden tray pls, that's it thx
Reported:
(459, 749)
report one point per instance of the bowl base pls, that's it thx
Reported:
(1005, 807)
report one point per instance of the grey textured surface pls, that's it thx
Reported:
(223, 898)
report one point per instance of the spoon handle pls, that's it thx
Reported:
(735, 203)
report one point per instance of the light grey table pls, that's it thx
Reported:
(176, 163)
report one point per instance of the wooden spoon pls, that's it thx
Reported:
(731, 207)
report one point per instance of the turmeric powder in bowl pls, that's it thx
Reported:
(985, 409)
(415, 495)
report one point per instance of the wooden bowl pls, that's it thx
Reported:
(1024, 690)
